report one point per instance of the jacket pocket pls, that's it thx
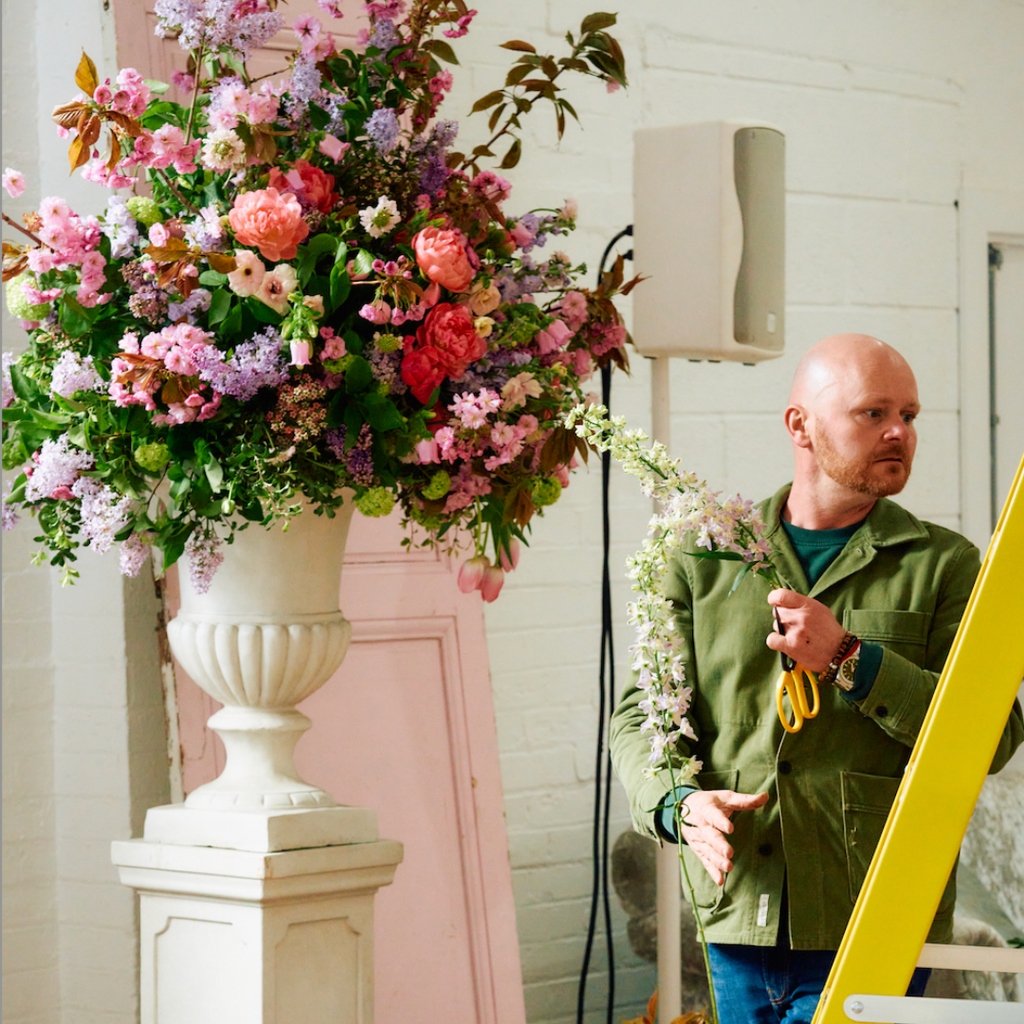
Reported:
(904, 632)
(867, 800)
(707, 895)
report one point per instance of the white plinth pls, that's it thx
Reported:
(261, 831)
(243, 937)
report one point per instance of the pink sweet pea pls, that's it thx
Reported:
(333, 147)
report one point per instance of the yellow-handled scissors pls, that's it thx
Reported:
(791, 684)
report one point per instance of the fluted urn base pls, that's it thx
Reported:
(265, 636)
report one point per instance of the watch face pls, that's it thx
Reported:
(847, 670)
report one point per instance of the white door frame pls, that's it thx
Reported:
(984, 217)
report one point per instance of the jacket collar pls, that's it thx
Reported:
(887, 524)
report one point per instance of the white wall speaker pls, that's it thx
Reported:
(709, 227)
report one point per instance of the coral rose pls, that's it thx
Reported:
(316, 186)
(442, 257)
(269, 220)
(444, 346)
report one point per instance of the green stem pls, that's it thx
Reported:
(198, 58)
(693, 902)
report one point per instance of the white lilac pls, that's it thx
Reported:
(73, 373)
(57, 464)
(688, 506)
(9, 358)
(104, 513)
(119, 226)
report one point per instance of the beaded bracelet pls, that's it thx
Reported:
(829, 675)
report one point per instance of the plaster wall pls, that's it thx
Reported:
(84, 733)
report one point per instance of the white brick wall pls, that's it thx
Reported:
(889, 110)
(888, 113)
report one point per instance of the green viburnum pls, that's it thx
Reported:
(440, 484)
(144, 210)
(152, 456)
(376, 502)
(18, 303)
(387, 343)
(546, 491)
(338, 365)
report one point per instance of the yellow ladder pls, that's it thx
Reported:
(936, 798)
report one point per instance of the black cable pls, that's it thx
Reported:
(606, 681)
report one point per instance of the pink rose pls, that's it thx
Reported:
(269, 220)
(442, 257)
(484, 300)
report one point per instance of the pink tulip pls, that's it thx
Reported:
(471, 574)
(491, 584)
(510, 557)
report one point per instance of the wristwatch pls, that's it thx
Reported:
(848, 669)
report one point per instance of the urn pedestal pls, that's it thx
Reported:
(257, 892)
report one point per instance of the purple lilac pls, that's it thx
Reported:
(303, 87)
(255, 364)
(384, 36)
(9, 508)
(134, 552)
(359, 458)
(58, 464)
(204, 557)
(382, 127)
(434, 174)
(387, 368)
(198, 301)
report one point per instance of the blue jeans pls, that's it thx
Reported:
(775, 984)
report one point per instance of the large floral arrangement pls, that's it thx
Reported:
(299, 286)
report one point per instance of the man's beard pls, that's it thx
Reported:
(864, 475)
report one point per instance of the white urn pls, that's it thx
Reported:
(265, 636)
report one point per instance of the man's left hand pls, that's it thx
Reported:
(812, 633)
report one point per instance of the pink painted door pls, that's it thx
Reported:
(406, 726)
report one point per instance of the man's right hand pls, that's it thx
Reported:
(706, 821)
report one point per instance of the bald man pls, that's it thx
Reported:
(782, 829)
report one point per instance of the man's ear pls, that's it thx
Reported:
(796, 419)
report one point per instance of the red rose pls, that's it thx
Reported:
(308, 181)
(444, 346)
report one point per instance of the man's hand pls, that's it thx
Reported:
(812, 635)
(706, 821)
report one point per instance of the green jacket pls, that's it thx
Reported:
(898, 582)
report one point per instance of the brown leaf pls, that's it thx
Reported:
(67, 115)
(115, 153)
(168, 253)
(78, 154)
(518, 44)
(558, 449)
(220, 262)
(522, 507)
(127, 124)
(86, 77)
(91, 132)
(15, 267)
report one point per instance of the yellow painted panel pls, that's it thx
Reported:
(947, 769)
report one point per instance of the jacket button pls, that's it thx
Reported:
(785, 767)
(765, 849)
(881, 711)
